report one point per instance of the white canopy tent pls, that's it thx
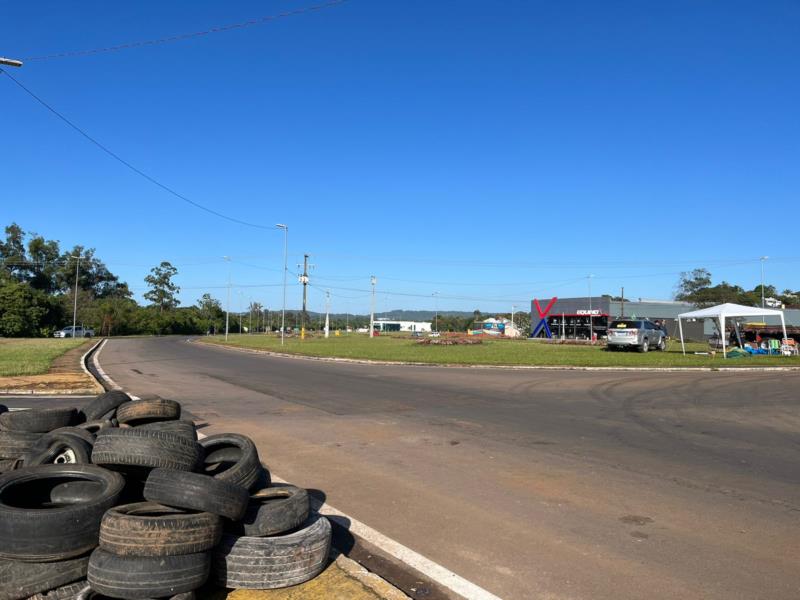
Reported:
(727, 311)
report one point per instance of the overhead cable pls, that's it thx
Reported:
(186, 36)
(136, 170)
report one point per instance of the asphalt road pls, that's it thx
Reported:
(532, 484)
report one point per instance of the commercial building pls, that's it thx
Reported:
(387, 325)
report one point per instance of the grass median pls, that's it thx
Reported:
(492, 352)
(32, 356)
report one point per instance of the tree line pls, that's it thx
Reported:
(696, 287)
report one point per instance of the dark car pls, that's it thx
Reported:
(636, 333)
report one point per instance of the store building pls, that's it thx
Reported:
(387, 325)
(579, 318)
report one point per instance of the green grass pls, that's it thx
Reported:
(494, 352)
(32, 356)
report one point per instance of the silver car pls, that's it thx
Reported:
(636, 333)
(79, 332)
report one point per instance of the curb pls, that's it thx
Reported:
(365, 361)
(64, 391)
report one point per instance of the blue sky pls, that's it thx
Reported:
(491, 152)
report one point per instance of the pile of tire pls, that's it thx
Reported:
(121, 500)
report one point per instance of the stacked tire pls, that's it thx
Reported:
(120, 500)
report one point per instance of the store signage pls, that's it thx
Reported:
(592, 312)
(543, 317)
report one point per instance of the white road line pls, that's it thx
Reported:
(97, 366)
(433, 570)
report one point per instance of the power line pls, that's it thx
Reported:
(129, 165)
(186, 36)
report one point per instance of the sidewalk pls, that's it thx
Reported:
(67, 376)
(343, 579)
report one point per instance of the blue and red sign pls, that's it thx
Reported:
(543, 317)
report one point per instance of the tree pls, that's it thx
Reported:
(210, 312)
(162, 291)
(690, 284)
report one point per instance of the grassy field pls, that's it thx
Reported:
(493, 352)
(32, 356)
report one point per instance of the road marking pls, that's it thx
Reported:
(435, 571)
(97, 366)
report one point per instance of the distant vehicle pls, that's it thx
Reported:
(772, 302)
(434, 334)
(636, 333)
(79, 332)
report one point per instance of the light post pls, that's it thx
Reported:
(75, 299)
(327, 313)
(228, 303)
(285, 229)
(762, 259)
(10, 62)
(436, 310)
(372, 280)
(591, 324)
(513, 306)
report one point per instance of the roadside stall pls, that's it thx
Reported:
(723, 312)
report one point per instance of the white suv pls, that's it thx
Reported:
(79, 332)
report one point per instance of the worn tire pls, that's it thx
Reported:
(20, 580)
(264, 563)
(273, 510)
(34, 529)
(95, 426)
(244, 471)
(152, 529)
(180, 427)
(62, 449)
(7, 465)
(146, 577)
(104, 403)
(71, 591)
(195, 491)
(38, 420)
(134, 447)
(14, 444)
(147, 411)
(75, 492)
(90, 594)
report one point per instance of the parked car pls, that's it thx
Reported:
(79, 332)
(636, 333)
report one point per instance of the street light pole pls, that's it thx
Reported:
(75, 299)
(10, 62)
(285, 269)
(327, 313)
(762, 259)
(436, 310)
(372, 280)
(513, 306)
(591, 325)
(228, 303)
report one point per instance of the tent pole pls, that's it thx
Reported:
(722, 333)
(680, 328)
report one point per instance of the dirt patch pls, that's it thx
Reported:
(66, 375)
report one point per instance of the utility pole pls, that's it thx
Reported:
(250, 313)
(75, 299)
(622, 303)
(285, 269)
(228, 305)
(762, 259)
(304, 280)
(327, 313)
(372, 280)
